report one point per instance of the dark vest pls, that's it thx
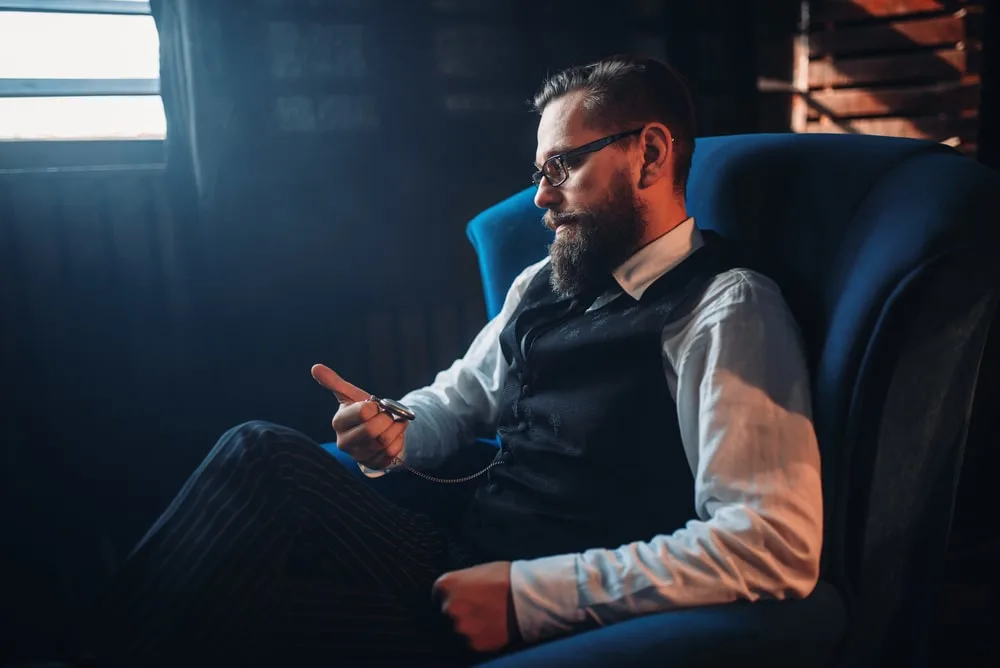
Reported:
(590, 448)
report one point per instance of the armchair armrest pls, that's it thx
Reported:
(800, 634)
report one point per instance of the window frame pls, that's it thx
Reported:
(76, 6)
(29, 155)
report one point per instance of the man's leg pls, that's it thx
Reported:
(273, 549)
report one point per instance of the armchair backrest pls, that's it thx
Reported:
(886, 250)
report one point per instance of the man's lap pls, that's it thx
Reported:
(354, 569)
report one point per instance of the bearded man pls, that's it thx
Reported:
(651, 401)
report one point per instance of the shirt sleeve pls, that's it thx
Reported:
(463, 399)
(739, 376)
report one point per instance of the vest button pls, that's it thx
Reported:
(526, 391)
(506, 457)
(493, 488)
(522, 425)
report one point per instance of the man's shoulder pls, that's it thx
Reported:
(734, 298)
(740, 284)
(738, 290)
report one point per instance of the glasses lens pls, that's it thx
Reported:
(554, 172)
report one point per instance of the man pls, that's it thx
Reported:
(657, 452)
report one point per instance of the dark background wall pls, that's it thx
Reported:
(364, 136)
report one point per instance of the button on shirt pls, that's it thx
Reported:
(736, 368)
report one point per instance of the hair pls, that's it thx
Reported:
(622, 91)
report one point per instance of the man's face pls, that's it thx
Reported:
(596, 214)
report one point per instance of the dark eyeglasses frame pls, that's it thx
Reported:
(590, 147)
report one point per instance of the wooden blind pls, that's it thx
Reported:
(905, 68)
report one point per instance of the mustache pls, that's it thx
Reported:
(552, 219)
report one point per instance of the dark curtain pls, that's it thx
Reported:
(96, 312)
(196, 96)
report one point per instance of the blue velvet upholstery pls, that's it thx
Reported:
(885, 251)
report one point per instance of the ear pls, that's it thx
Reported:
(657, 154)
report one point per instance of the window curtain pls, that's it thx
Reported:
(194, 96)
(203, 172)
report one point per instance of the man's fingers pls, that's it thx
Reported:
(359, 423)
(366, 436)
(375, 452)
(364, 432)
(331, 380)
(395, 443)
(351, 415)
(389, 436)
(384, 457)
(380, 431)
(379, 461)
(439, 590)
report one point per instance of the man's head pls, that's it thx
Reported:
(615, 141)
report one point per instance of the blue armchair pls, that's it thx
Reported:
(885, 249)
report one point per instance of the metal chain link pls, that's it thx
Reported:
(446, 481)
(400, 412)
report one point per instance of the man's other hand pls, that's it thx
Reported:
(478, 600)
(369, 435)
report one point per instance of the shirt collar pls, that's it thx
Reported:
(658, 257)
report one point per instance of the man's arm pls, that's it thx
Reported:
(743, 403)
(465, 397)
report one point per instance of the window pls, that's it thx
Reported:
(78, 71)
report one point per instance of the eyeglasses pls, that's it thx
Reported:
(555, 170)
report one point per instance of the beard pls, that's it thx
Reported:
(597, 240)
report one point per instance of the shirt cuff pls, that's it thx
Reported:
(546, 596)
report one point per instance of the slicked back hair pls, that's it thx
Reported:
(623, 92)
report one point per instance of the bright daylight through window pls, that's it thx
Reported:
(79, 70)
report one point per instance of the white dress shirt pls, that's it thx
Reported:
(736, 369)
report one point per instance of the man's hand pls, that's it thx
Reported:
(479, 602)
(364, 432)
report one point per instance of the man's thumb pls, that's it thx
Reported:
(346, 392)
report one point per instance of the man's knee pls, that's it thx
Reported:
(277, 448)
(258, 428)
(260, 435)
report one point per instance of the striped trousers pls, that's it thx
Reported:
(274, 554)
